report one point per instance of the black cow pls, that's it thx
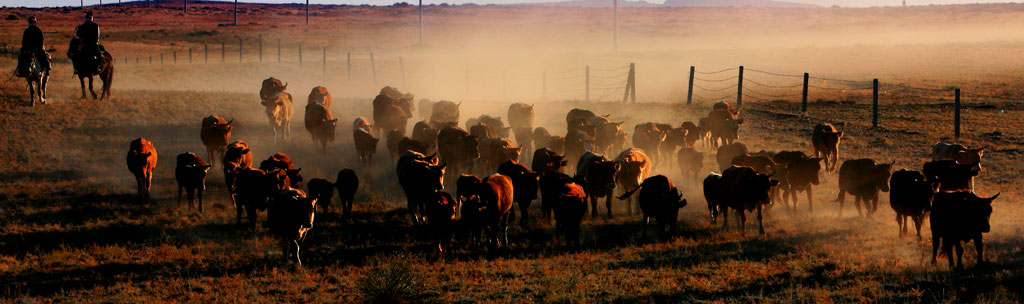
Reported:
(569, 202)
(863, 178)
(744, 189)
(959, 216)
(419, 178)
(440, 212)
(951, 175)
(190, 173)
(323, 191)
(910, 195)
(524, 185)
(347, 185)
(596, 174)
(290, 215)
(713, 195)
(801, 175)
(660, 199)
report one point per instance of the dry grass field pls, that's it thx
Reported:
(72, 229)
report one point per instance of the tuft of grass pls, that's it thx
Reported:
(396, 279)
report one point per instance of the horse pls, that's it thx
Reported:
(87, 68)
(35, 77)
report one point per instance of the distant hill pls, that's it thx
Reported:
(674, 3)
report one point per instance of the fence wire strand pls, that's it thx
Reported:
(715, 72)
(715, 80)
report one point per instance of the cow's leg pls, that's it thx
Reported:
(42, 89)
(199, 195)
(810, 199)
(179, 196)
(297, 249)
(917, 223)
(900, 221)
(91, 91)
(760, 221)
(979, 245)
(856, 202)
(82, 81)
(238, 212)
(608, 205)
(725, 217)
(31, 92)
(959, 255)
(842, 200)
(947, 249)
(593, 207)
(647, 221)
(191, 196)
(935, 247)
(743, 221)
(524, 208)
(251, 213)
(504, 227)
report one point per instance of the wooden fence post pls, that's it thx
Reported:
(373, 69)
(739, 89)
(632, 82)
(161, 58)
(190, 55)
(689, 87)
(136, 60)
(803, 99)
(206, 52)
(874, 103)
(174, 57)
(956, 115)
(587, 83)
(223, 52)
(239, 49)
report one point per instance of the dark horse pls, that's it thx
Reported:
(35, 76)
(87, 66)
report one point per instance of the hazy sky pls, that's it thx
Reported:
(849, 3)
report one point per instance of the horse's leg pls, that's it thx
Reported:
(31, 92)
(42, 88)
(91, 91)
(81, 79)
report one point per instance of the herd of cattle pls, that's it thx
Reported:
(440, 150)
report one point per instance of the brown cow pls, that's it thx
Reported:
(674, 138)
(959, 153)
(863, 178)
(141, 162)
(910, 195)
(660, 199)
(426, 133)
(290, 215)
(391, 110)
(634, 168)
(283, 162)
(547, 160)
(648, 136)
(497, 151)
(366, 145)
(543, 139)
(743, 189)
(323, 191)
(362, 123)
(760, 163)
(409, 144)
(271, 87)
(253, 188)
(524, 136)
(609, 137)
(826, 144)
(445, 112)
(577, 142)
(347, 184)
(279, 109)
(580, 117)
(568, 200)
(960, 216)
(440, 210)
(951, 175)
(238, 157)
(724, 124)
(321, 125)
(690, 162)
(457, 148)
(524, 182)
(496, 124)
(727, 153)
(596, 174)
(487, 204)
(693, 133)
(320, 96)
(215, 134)
(419, 179)
(393, 138)
(190, 172)
(520, 115)
(801, 174)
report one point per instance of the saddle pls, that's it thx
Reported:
(27, 61)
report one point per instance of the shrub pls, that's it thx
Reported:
(396, 279)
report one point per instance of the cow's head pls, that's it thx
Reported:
(984, 210)
(512, 153)
(880, 175)
(436, 177)
(604, 171)
(761, 186)
(677, 197)
(467, 190)
(278, 179)
(470, 143)
(295, 175)
(806, 169)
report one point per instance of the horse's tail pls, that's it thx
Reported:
(108, 78)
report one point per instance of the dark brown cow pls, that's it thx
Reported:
(282, 161)
(674, 138)
(290, 215)
(190, 172)
(579, 117)
(253, 187)
(271, 87)
(863, 178)
(543, 139)
(482, 131)
(724, 124)
(910, 195)
(520, 115)
(648, 137)
(546, 160)
(391, 110)
(440, 209)
(426, 133)
(596, 174)
(727, 153)
(366, 146)
(705, 133)
(826, 144)
(713, 195)
(347, 184)
(237, 158)
(800, 175)
(457, 148)
(323, 191)
(690, 162)
(957, 152)
(487, 204)
(634, 168)
(577, 142)
(785, 157)
(760, 163)
(743, 189)
(409, 144)
(693, 133)
(496, 124)
(362, 123)
(951, 175)
(215, 134)
(445, 111)
(426, 109)
(319, 95)
(419, 179)
(956, 217)
(524, 136)
(609, 137)
(141, 161)
(568, 200)
(320, 124)
(496, 151)
(660, 199)
(524, 182)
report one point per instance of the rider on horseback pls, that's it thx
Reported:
(32, 45)
(88, 34)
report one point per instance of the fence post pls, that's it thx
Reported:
(324, 68)
(206, 52)
(689, 87)
(161, 58)
(401, 66)
(632, 82)
(189, 54)
(300, 55)
(739, 89)
(874, 103)
(307, 11)
(588, 84)
(373, 69)
(223, 53)
(629, 85)
(261, 47)
(803, 99)
(348, 64)
(174, 57)
(956, 115)
(278, 50)
(239, 49)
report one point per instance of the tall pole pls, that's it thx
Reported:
(739, 89)
(588, 84)
(300, 55)
(632, 82)
(956, 115)
(421, 22)
(689, 90)
(307, 11)
(803, 99)
(373, 69)
(874, 103)
(184, 7)
(615, 34)
(236, 13)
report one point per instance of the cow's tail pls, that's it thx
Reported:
(630, 193)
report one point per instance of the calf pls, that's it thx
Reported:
(951, 175)
(238, 157)
(634, 168)
(215, 134)
(487, 204)
(743, 189)
(660, 199)
(910, 195)
(190, 172)
(290, 215)
(419, 179)
(596, 174)
(323, 191)
(863, 178)
(347, 184)
(690, 161)
(713, 195)
(320, 125)
(366, 146)
(727, 153)
(960, 216)
(440, 209)
(524, 183)
(141, 163)
(283, 162)
(361, 123)
(801, 174)
(826, 144)
(568, 200)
